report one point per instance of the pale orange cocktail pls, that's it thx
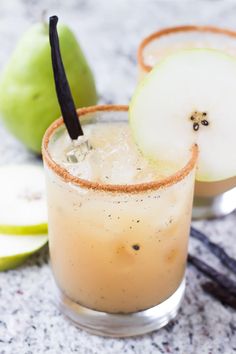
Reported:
(118, 225)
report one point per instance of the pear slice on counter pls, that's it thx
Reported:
(22, 200)
(15, 249)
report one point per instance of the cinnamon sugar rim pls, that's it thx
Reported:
(121, 188)
(177, 29)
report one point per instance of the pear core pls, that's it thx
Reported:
(198, 119)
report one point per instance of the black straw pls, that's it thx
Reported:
(64, 95)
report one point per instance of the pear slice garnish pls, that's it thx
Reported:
(189, 98)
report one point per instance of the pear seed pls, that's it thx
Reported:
(205, 122)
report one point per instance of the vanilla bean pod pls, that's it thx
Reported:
(217, 250)
(218, 277)
(220, 293)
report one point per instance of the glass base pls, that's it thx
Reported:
(214, 207)
(121, 325)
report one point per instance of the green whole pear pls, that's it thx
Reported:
(28, 102)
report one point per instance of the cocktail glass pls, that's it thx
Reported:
(211, 199)
(118, 252)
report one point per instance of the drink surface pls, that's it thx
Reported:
(114, 157)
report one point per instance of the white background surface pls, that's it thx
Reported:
(109, 33)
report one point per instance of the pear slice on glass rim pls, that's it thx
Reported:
(15, 249)
(189, 98)
(22, 199)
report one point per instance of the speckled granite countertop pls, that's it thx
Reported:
(109, 32)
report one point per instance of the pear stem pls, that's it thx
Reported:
(64, 95)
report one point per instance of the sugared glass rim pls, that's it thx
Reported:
(172, 30)
(120, 188)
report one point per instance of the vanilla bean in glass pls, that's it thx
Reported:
(80, 145)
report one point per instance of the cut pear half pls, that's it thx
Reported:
(22, 200)
(188, 98)
(15, 249)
